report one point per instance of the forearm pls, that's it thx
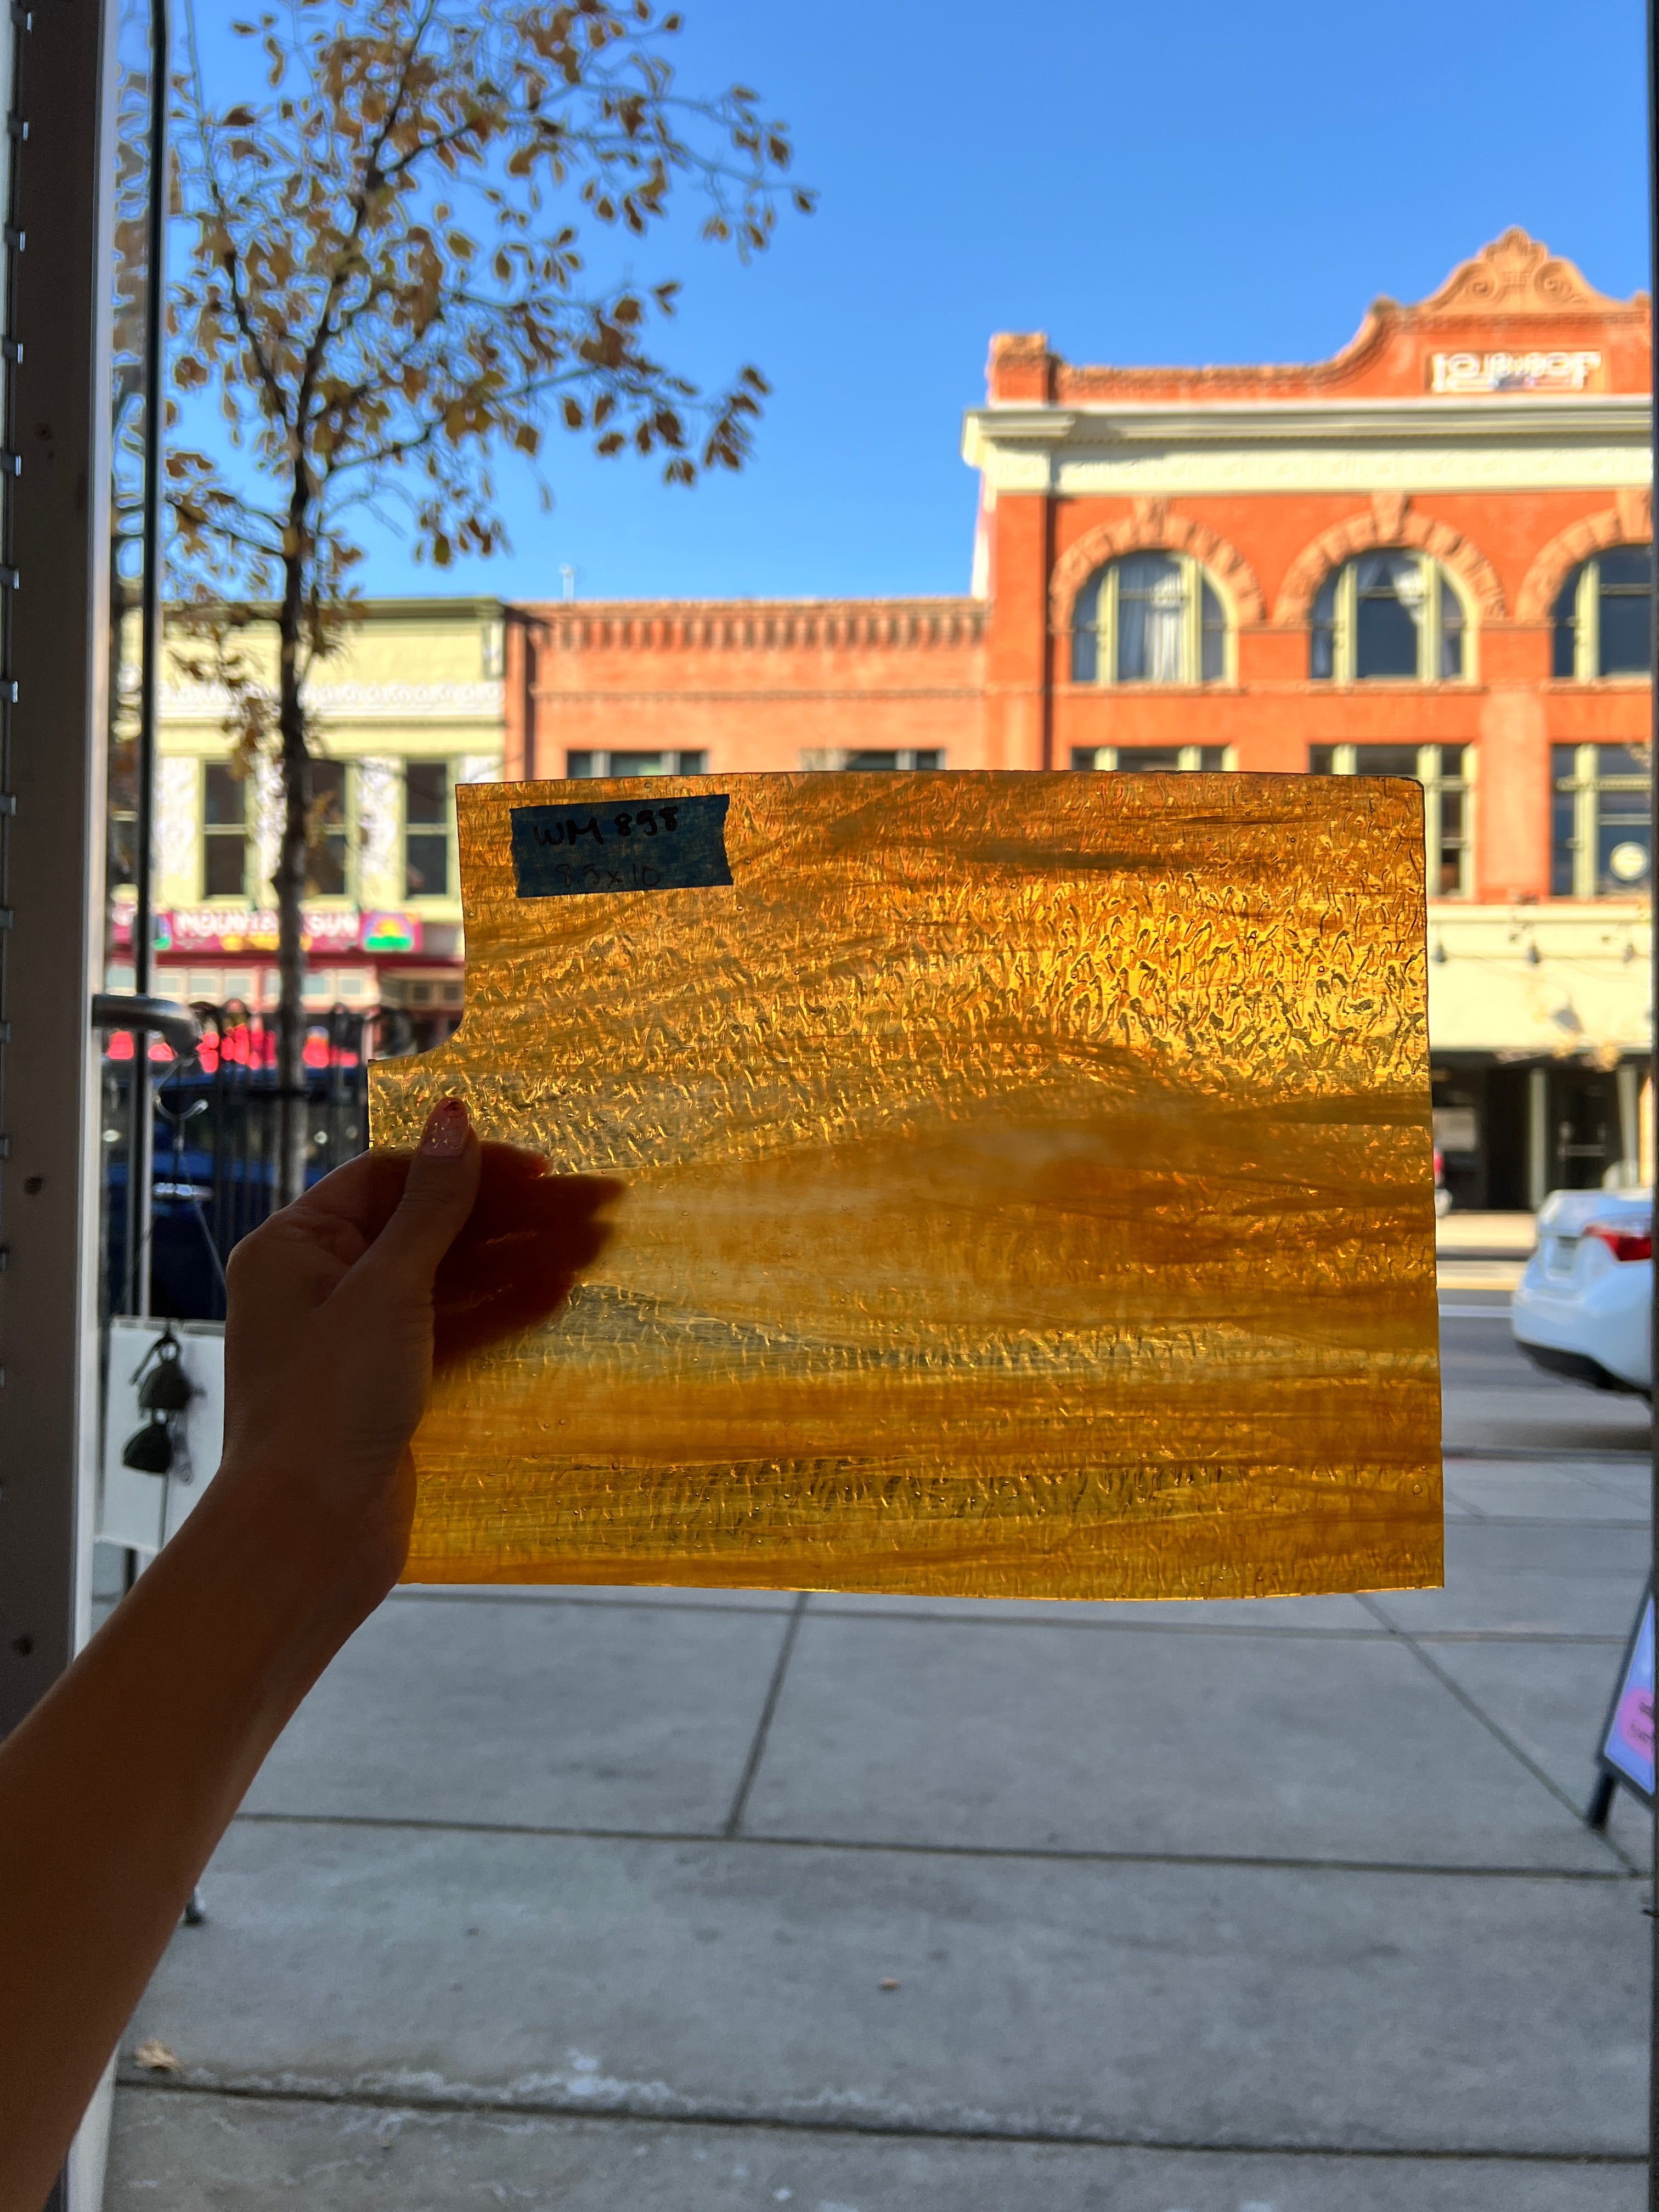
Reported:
(116, 1789)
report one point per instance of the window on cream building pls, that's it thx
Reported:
(224, 819)
(1601, 618)
(231, 849)
(1392, 616)
(1601, 839)
(429, 869)
(1149, 618)
(1445, 772)
(330, 852)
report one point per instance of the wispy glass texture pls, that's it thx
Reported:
(1029, 1192)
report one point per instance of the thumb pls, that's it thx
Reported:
(438, 1196)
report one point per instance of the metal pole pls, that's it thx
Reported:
(1653, 1065)
(141, 1142)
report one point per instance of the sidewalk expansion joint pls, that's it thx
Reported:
(1502, 1736)
(763, 1727)
(467, 2102)
(1042, 1854)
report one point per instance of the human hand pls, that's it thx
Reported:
(341, 1304)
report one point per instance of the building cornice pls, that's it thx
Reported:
(1596, 417)
(352, 702)
(756, 625)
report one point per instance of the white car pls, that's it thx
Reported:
(1583, 1305)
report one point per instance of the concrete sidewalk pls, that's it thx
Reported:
(634, 1899)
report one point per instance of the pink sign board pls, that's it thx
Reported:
(217, 932)
(1627, 1742)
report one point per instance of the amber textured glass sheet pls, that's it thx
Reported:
(1029, 1187)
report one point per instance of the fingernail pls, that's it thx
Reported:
(446, 1130)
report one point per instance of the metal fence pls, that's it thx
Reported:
(216, 1116)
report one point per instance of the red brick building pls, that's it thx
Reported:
(1426, 556)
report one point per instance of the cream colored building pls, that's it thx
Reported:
(409, 707)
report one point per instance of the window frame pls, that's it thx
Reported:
(1585, 786)
(1189, 760)
(1437, 784)
(1344, 623)
(1586, 620)
(680, 755)
(420, 902)
(1194, 578)
(205, 829)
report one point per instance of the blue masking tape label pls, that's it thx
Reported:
(573, 852)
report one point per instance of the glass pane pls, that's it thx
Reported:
(1563, 840)
(1564, 637)
(1623, 620)
(926, 760)
(1389, 615)
(1322, 760)
(426, 863)
(580, 765)
(901, 1207)
(1564, 763)
(875, 762)
(1621, 760)
(1385, 760)
(1212, 649)
(1451, 815)
(694, 764)
(1086, 644)
(325, 860)
(1213, 759)
(1629, 568)
(1084, 759)
(1150, 618)
(426, 793)
(641, 764)
(224, 865)
(1451, 763)
(1451, 870)
(325, 870)
(1149, 760)
(1451, 632)
(1322, 665)
(224, 797)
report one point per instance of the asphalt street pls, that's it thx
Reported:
(707, 1902)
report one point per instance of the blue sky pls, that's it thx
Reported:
(1146, 183)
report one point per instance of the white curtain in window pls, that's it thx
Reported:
(1150, 610)
(1400, 573)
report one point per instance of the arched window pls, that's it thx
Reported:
(1601, 616)
(1394, 614)
(1149, 618)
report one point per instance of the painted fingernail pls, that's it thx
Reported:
(446, 1130)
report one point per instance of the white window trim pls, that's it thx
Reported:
(1587, 785)
(1189, 760)
(1431, 774)
(204, 829)
(426, 901)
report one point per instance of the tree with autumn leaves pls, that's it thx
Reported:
(388, 293)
